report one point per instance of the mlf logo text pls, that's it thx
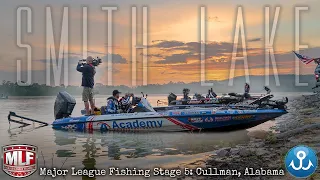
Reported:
(19, 160)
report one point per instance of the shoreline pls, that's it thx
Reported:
(267, 150)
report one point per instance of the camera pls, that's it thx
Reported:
(95, 62)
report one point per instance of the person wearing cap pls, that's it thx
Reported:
(113, 106)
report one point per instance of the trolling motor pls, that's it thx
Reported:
(267, 89)
(211, 94)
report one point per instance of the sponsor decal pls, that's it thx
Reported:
(194, 102)
(103, 126)
(195, 120)
(164, 114)
(231, 112)
(74, 120)
(204, 112)
(240, 111)
(120, 114)
(243, 117)
(190, 112)
(136, 124)
(209, 119)
(211, 101)
(176, 113)
(19, 160)
(223, 118)
(250, 111)
(301, 161)
(70, 127)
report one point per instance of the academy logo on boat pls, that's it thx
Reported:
(137, 124)
(19, 160)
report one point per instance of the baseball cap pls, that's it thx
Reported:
(115, 92)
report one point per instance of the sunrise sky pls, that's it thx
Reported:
(173, 37)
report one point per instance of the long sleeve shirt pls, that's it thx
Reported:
(88, 72)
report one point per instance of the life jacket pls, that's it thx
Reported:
(125, 103)
(112, 105)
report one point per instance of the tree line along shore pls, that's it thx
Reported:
(287, 84)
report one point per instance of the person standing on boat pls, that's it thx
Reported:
(88, 71)
(246, 91)
(247, 88)
(113, 105)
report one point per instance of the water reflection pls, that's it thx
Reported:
(119, 145)
(119, 149)
(89, 161)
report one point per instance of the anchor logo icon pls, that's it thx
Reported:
(301, 155)
(301, 161)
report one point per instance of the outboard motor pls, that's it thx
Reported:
(63, 105)
(172, 97)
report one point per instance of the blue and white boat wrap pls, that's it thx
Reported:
(171, 120)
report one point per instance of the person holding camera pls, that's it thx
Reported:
(88, 71)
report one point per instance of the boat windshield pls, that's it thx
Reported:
(143, 106)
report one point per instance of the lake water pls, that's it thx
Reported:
(103, 150)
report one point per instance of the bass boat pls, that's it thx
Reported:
(145, 118)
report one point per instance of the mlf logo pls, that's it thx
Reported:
(19, 160)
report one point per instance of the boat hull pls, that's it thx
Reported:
(175, 120)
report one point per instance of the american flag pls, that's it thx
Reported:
(304, 59)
